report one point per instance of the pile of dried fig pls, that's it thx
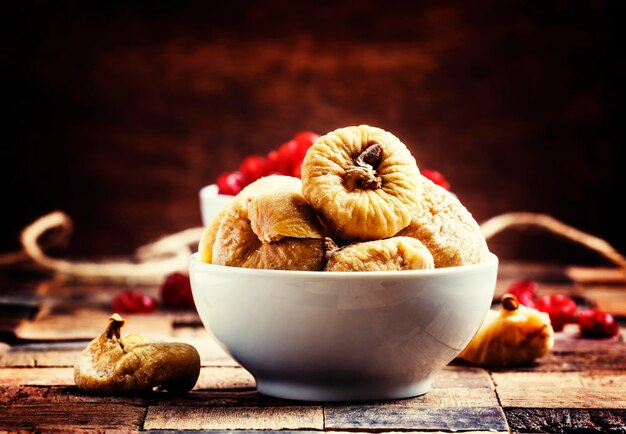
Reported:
(362, 205)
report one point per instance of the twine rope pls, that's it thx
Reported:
(155, 260)
(505, 221)
(171, 253)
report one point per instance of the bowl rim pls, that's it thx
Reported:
(194, 262)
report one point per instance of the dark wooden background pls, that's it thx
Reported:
(119, 112)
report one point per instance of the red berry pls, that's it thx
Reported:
(525, 291)
(252, 168)
(436, 177)
(304, 139)
(176, 291)
(230, 183)
(561, 309)
(290, 153)
(276, 164)
(133, 302)
(297, 170)
(597, 324)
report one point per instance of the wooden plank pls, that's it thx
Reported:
(561, 390)
(226, 377)
(16, 393)
(47, 355)
(210, 378)
(604, 275)
(211, 353)
(443, 408)
(37, 376)
(611, 299)
(462, 376)
(72, 416)
(219, 398)
(88, 323)
(71, 394)
(247, 431)
(32, 359)
(379, 417)
(560, 420)
(231, 418)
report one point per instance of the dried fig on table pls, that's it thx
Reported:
(271, 230)
(130, 365)
(397, 253)
(446, 228)
(515, 335)
(363, 181)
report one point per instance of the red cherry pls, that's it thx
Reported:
(561, 309)
(176, 291)
(252, 168)
(230, 183)
(597, 324)
(133, 302)
(525, 291)
(436, 177)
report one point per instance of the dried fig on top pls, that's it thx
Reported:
(363, 181)
(397, 253)
(446, 228)
(272, 230)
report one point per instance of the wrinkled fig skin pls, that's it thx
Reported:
(362, 181)
(267, 229)
(446, 228)
(133, 365)
(397, 253)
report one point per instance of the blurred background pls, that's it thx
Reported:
(119, 112)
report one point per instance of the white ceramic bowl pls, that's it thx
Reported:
(211, 202)
(343, 336)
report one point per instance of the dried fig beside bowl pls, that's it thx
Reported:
(132, 365)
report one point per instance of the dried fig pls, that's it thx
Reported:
(205, 248)
(397, 253)
(363, 181)
(272, 183)
(446, 228)
(276, 230)
(111, 364)
(516, 335)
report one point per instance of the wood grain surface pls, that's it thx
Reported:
(580, 386)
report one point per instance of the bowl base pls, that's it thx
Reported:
(335, 393)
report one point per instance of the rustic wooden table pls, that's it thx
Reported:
(579, 387)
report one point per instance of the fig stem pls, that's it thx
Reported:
(116, 322)
(363, 173)
(509, 302)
